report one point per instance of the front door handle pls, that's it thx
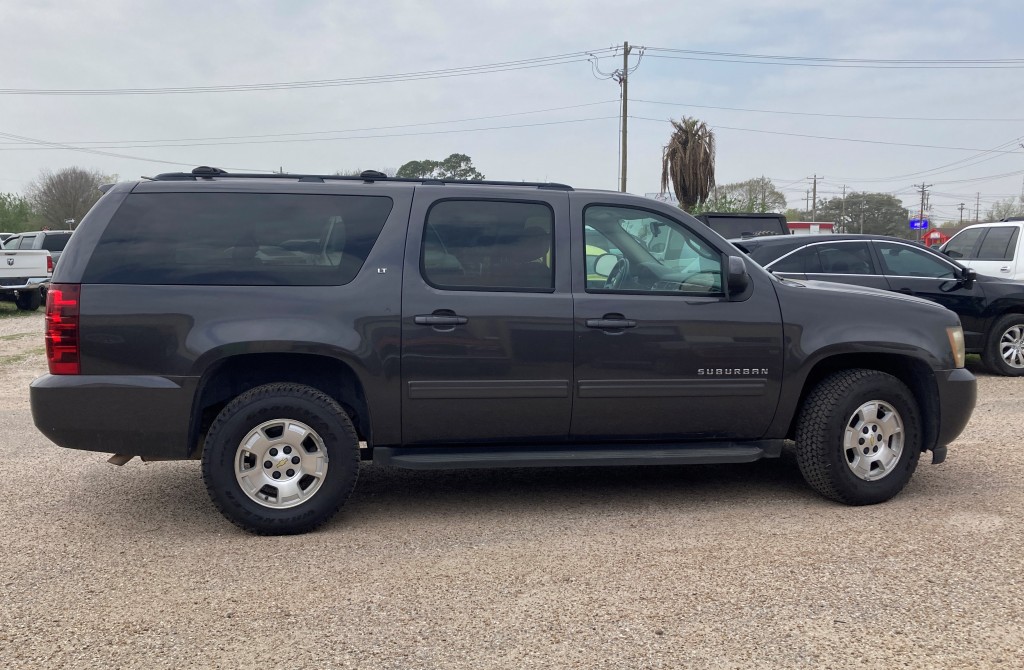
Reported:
(439, 320)
(611, 322)
(1004, 269)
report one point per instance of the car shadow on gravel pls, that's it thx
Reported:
(160, 496)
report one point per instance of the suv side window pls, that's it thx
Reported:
(489, 245)
(999, 244)
(656, 254)
(962, 244)
(27, 241)
(55, 242)
(901, 260)
(238, 239)
(845, 258)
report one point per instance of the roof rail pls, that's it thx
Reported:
(205, 172)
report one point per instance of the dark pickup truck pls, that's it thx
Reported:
(284, 327)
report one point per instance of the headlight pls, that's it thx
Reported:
(956, 343)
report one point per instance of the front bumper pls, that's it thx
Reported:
(135, 415)
(958, 393)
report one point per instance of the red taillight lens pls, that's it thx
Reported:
(62, 353)
(49, 265)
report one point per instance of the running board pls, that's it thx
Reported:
(693, 453)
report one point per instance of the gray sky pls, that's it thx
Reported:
(110, 44)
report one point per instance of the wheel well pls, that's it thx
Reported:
(916, 374)
(235, 375)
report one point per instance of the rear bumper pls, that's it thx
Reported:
(23, 283)
(135, 415)
(958, 392)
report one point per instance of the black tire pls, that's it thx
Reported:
(991, 355)
(826, 415)
(29, 301)
(268, 403)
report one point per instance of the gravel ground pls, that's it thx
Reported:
(738, 566)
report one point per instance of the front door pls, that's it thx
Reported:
(925, 274)
(486, 318)
(661, 352)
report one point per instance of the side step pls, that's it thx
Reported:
(549, 456)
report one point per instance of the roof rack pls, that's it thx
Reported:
(205, 172)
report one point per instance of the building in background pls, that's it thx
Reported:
(811, 227)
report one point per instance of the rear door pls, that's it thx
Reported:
(841, 261)
(486, 317)
(997, 252)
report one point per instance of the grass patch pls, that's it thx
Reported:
(14, 359)
(8, 310)
(17, 336)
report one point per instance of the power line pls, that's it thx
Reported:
(57, 145)
(836, 116)
(317, 132)
(490, 68)
(840, 139)
(53, 145)
(807, 61)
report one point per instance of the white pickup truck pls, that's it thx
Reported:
(24, 275)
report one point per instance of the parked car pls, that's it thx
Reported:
(745, 224)
(53, 241)
(267, 324)
(991, 309)
(23, 275)
(993, 249)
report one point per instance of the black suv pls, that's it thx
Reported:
(272, 325)
(991, 309)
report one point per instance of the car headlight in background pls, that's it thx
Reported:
(956, 343)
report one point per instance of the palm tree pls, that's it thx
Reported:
(688, 162)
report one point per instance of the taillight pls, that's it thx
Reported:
(49, 264)
(62, 305)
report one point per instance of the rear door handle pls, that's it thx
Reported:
(610, 324)
(437, 320)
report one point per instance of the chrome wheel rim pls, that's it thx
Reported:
(1011, 346)
(873, 441)
(281, 463)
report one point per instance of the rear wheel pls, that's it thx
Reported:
(281, 459)
(859, 437)
(1004, 346)
(29, 301)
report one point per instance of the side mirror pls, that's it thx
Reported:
(968, 275)
(605, 264)
(737, 277)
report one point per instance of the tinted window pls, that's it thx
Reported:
(656, 254)
(801, 261)
(27, 241)
(12, 243)
(237, 239)
(845, 258)
(55, 242)
(731, 227)
(999, 244)
(905, 261)
(489, 245)
(963, 243)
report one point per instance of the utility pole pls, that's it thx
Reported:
(977, 206)
(814, 200)
(625, 109)
(961, 213)
(924, 190)
(842, 217)
(807, 201)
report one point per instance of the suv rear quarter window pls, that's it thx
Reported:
(238, 239)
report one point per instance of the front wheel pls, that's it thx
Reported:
(859, 437)
(281, 459)
(1004, 346)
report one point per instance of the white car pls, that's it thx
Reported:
(992, 249)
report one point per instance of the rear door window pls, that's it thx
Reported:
(999, 244)
(845, 258)
(238, 239)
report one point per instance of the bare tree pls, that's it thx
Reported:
(65, 194)
(688, 162)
